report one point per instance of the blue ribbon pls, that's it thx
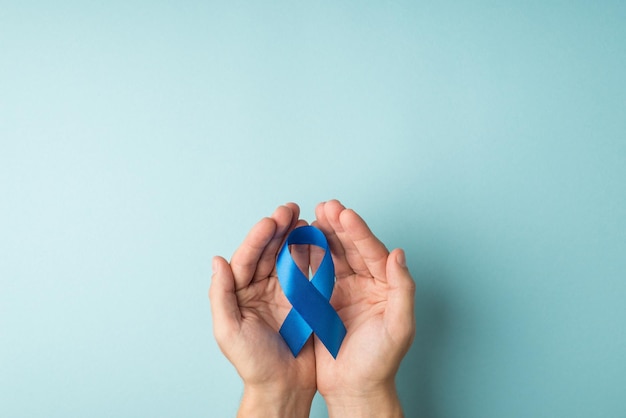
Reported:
(311, 310)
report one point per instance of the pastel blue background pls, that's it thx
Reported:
(137, 139)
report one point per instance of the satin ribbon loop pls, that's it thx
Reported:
(311, 310)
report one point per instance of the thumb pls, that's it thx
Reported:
(400, 313)
(224, 307)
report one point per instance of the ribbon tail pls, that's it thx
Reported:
(295, 331)
(333, 337)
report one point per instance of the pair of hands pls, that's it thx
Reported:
(373, 295)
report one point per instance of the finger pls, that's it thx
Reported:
(371, 250)
(333, 211)
(342, 268)
(400, 311)
(296, 214)
(224, 308)
(285, 219)
(246, 258)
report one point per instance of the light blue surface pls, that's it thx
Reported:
(137, 139)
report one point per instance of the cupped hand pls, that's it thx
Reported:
(248, 307)
(374, 296)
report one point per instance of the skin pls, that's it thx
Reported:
(248, 307)
(373, 296)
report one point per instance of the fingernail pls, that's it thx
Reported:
(401, 258)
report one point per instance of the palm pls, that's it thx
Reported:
(263, 308)
(360, 302)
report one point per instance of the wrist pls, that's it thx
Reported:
(381, 401)
(270, 402)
